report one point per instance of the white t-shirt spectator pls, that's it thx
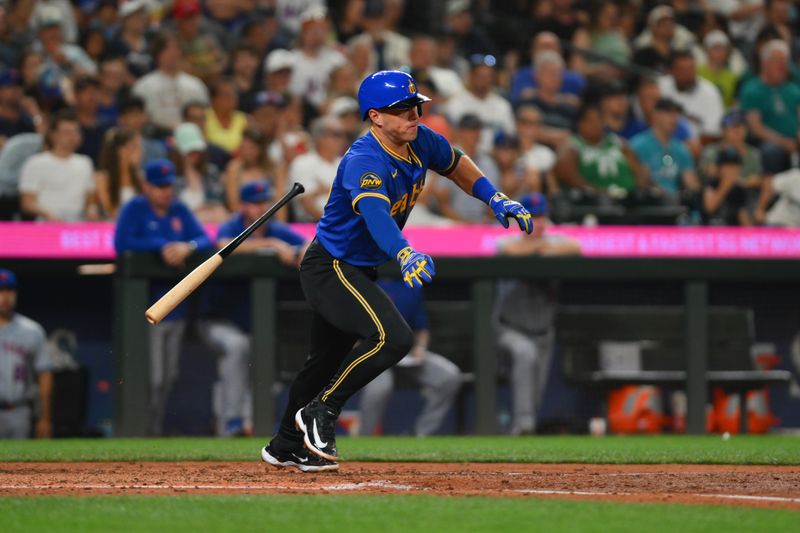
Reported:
(310, 74)
(786, 211)
(60, 184)
(494, 111)
(702, 105)
(164, 96)
(746, 29)
(313, 172)
(540, 158)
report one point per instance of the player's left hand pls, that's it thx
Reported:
(505, 208)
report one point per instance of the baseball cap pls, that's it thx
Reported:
(48, 16)
(470, 122)
(255, 192)
(715, 38)
(535, 203)
(613, 88)
(7, 279)
(279, 59)
(9, 77)
(728, 156)
(189, 138)
(504, 140)
(313, 14)
(732, 118)
(130, 7)
(667, 104)
(160, 172)
(455, 7)
(186, 8)
(658, 13)
(343, 105)
(271, 98)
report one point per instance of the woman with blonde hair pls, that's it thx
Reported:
(119, 171)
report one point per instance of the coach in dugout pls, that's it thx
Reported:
(155, 222)
(23, 354)
(226, 320)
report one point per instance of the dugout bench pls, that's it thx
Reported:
(657, 335)
(480, 274)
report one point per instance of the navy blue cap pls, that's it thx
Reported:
(160, 172)
(535, 203)
(255, 192)
(732, 118)
(7, 279)
(8, 77)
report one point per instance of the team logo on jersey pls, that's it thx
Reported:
(370, 180)
(411, 87)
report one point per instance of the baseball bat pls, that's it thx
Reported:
(196, 277)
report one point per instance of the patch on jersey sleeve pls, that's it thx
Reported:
(370, 180)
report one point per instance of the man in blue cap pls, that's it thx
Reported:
(524, 316)
(155, 222)
(227, 322)
(23, 355)
(356, 331)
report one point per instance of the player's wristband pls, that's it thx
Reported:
(483, 190)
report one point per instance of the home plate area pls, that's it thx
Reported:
(762, 486)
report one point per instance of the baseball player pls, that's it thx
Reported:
(23, 355)
(228, 320)
(524, 315)
(440, 378)
(356, 331)
(155, 222)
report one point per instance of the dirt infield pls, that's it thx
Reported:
(762, 486)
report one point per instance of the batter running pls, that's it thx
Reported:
(356, 331)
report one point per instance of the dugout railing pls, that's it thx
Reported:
(480, 274)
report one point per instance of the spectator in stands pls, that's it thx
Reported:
(716, 68)
(69, 59)
(278, 68)
(224, 123)
(196, 113)
(227, 324)
(459, 207)
(156, 222)
(198, 184)
(17, 36)
(654, 46)
(202, 54)
(244, 67)
(525, 314)
(537, 156)
(118, 176)
(667, 161)
(167, 89)
(131, 42)
(437, 376)
(62, 11)
(770, 104)
(93, 42)
(751, 173)
(316, 169)
(515, 178)
(524, 82)
(93, 129)
(481, 99)
(422, 56)
(263, 32)
(724, 199)
(30, 67)
(594, 161)
(468, 38)
(778, 14)
(346, 109)
(558, 110)
(17, 114)
(785, 211)
(343, 82)
(251, 163)
(314, 59)
(114, 81)
(745, 18)
(13, 155)
(132, 117)
(700, 99)
(615, 106)
(391, 48)
(348, 22)
(24, 358)
(605, 41)
(58, 184)
(564, 19)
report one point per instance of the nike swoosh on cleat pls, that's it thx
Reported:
(301, 459)
(318, 441)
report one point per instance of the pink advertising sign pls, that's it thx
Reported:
(31, 240)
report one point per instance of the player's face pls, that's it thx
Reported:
(400, 124)
(159, 197)
(8, 300)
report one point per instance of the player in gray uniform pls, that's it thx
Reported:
(23, 354)
(525, 315)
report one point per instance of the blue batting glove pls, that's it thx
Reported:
(505, 208)
(416, 267)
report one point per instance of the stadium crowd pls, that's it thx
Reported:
(616, 110)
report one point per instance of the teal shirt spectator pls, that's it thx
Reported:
(778, 105)
(666, 163)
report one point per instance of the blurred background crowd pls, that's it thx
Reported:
(618, 111)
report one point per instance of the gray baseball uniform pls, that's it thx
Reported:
(23, 354)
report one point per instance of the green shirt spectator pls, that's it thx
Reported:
(666, 162)
(777, 104)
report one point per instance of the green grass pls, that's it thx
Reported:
(387, 513)
(768, 450)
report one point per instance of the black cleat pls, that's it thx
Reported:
(318, 425)
(300, 458)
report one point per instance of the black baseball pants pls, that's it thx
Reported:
(356, 333)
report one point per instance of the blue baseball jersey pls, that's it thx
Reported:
(278, 230)
(371, 169)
